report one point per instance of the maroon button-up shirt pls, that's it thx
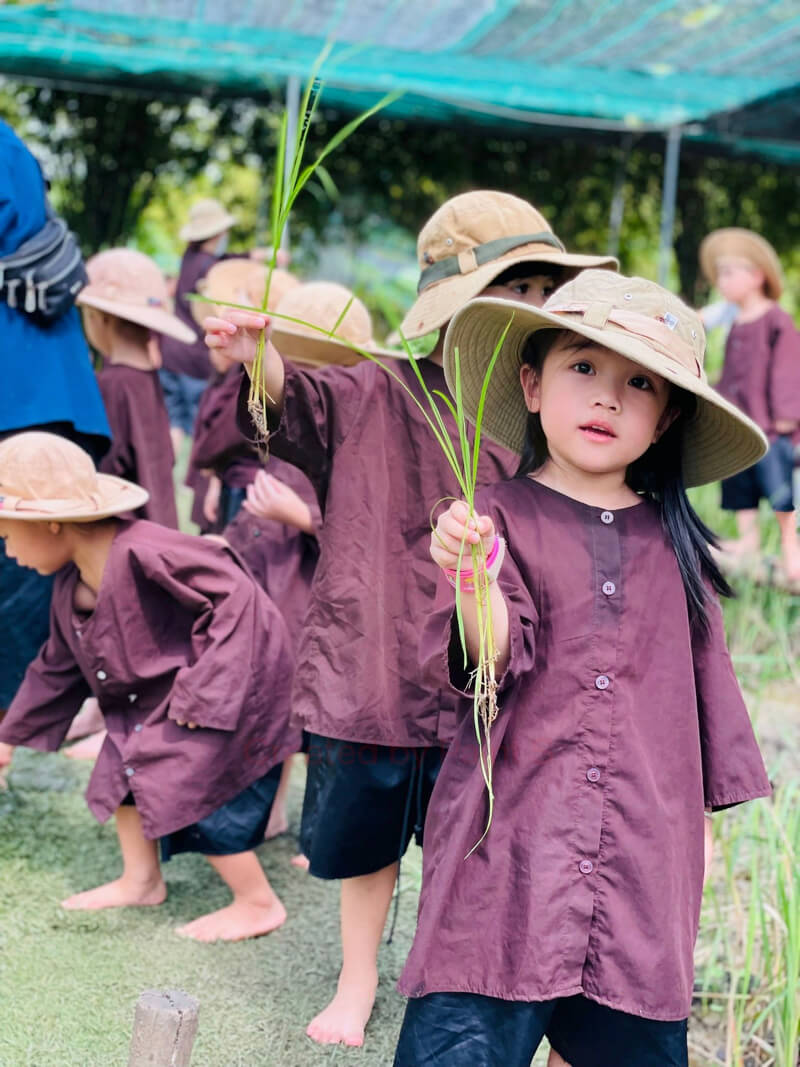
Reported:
(761, 373)
(617, 725)
(217, 442)
(141, 448)
(377, 470)
(180, 632)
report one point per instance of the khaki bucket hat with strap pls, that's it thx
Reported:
(472, 239)
(631, 316)
(45, 478)
(207, 218)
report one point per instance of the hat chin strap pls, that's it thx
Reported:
(475, 257)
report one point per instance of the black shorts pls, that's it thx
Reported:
(770, 479)
(237, 826)
(470, 1030)
(363, 803)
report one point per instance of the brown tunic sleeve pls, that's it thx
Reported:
(225, 611)
(784, 385)
(733, 770)
(319, 410)
(53, 688)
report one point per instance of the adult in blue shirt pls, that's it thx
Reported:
(46, 382)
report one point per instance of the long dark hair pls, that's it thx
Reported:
(657, 475)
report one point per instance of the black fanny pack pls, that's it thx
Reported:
(45, 274)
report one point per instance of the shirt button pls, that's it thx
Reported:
(102, 675)
(609, 588)
(130, 772)
(607, 517)
(137, 728)
(602, 681)
(586, 867)
(593, 774)
(132, 698)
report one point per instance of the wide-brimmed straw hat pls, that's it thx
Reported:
(206, 219)
(321, 304)
(239, 281)
(472, 239)
(631, 316)
(128, 284)
(736, 243)
(44, 477)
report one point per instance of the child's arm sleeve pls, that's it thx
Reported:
(227, 638)
(441, 653)
(733, 769)
(49, 698)
(319, 410)
(784, 385)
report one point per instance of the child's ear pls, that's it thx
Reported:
(54, 528)
(529, 380)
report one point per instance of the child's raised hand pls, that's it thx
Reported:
(454, 527)
(236, 333)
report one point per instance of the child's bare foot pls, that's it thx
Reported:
(88, 748)
(88, 720)
(300, 861)
(345, 1018)
(123, 893)
(278, 822)
(237, 922)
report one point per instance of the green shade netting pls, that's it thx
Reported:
(624, 63)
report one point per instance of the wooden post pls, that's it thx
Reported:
(164, 1029)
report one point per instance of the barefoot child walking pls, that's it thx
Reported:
(620, 719)
(191, 664)
(377, 729)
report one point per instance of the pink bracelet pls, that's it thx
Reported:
(466, 578)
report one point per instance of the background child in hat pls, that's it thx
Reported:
(761, 375)
(620, 719)
(377, 737)
(125, 306)
(191, 664)
(186, 368)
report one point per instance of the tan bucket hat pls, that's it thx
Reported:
(44, 477)
(472, 239)
(239, 281)
(206, 219)
(632, 316)
(736, 243)
(128, 284)
(321, 304)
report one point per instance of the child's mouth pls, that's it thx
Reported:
(598, 431)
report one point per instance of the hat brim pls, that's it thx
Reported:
(115, 496)
(719, 441)
(322, 350)
(437, 304)
(153, 318)
(200, 232)
(735, 243)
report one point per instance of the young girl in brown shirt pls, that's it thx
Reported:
(619, 717)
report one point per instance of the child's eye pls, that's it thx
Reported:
(640, 382)
(521, 288)
(548, 290)
(583, 367)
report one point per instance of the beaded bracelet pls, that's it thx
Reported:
(465, 579)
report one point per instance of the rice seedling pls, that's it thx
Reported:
(287, 188)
